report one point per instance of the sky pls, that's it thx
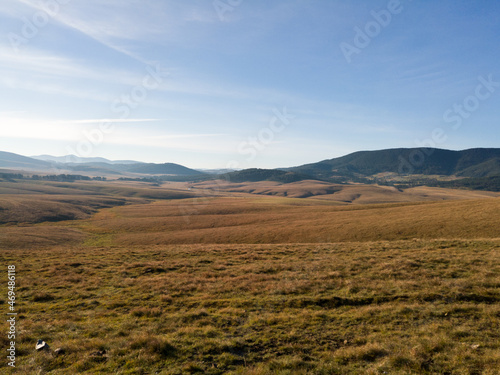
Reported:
(246, 83)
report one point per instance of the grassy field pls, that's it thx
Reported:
(285, 220)
(342, 194)
(408, 307)
(238, 283)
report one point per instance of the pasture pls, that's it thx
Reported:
(130, 278)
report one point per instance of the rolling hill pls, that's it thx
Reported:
(256, 175)
(477, 168)
(478, 162)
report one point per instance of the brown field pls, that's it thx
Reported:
(251, 279)
(271, 220)
(343, 194)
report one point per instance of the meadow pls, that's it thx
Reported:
(175, 279)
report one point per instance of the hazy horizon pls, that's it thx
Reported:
(75, 159)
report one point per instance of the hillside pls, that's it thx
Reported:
(40, 201)
(162, 169)
(272, 220)
(339, 193)
(477, 169)
(255, 175)
(403, 307)
(15, 161)
(479, 162)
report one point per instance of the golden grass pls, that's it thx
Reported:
(233, 283)
(41, 208)
(401, 307)
(245, 220)
(40, 201)
(342, 194)
(36, 237)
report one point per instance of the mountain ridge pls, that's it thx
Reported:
(9, 160)
(360, 166)
(80, 160)
(475, 162)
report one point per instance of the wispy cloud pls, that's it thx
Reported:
(47, 64)
(184, 136)
(99, 121)
(85, 18)
(114, 25)
(50, 73)
(226, 77)
(42, 63)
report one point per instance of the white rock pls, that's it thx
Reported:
(42, 345)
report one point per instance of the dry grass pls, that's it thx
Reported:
(42, 208)
(248, 220)
(404, 307)
(128, 189)
(37, 237)
(342, 194)
(39, 201)
(183, 286)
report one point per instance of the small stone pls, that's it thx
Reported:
(59, 351)
(42, 345)
(475, 346)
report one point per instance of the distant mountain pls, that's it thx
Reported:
(475, 167)
(217, 171)
(15, 161)
(162, 169)
(91, 166)
(478, 162)
(102, 169)
(79, 160)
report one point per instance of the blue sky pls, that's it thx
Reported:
(246, 83)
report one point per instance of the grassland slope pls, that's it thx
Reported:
(341, 193)
(402, 307)
(287, 220)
